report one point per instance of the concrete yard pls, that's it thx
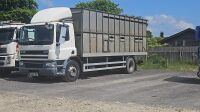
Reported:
(145, 90)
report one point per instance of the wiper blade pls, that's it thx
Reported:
(24, 42)
(42, 41)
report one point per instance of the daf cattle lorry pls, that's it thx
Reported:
(65, 42)
(9, 48)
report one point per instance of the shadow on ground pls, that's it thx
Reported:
(89, 75)
(50, 80)
(185, 80)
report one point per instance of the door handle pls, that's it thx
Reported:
(57, 44)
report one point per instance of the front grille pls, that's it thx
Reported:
(3, 50)
(33, 65)
(34, 54)
(34, 57)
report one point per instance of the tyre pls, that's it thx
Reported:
(198, 74)
(72, 71)
(130, 66)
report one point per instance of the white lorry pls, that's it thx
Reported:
(9, 49)
(67, 41)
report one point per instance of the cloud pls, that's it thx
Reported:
(183, 24)
(48, 3)
(167, 24)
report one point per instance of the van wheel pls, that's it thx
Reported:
(130, 65)
(72, 71)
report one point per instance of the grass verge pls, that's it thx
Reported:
(157, 62)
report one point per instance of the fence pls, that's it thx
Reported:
(181, 54)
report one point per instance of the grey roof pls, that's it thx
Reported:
(176, 35)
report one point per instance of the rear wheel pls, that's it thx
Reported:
(130, 65)
(72, 71)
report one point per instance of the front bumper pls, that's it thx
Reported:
(7, 61)
(42, 71)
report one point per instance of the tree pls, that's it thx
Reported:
(149, 34)
(102, 5)
(162, 34)
(17, 10)
(154, 42)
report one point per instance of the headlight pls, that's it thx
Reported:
(8, 61)
(21, 63)
(51, 64)
(22, 52)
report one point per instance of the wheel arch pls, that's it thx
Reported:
(77, 59)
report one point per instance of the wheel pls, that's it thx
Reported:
(72, 71)
(5, 72)
(198, 74)
(130, 65)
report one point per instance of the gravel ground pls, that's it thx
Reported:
(23, 103)
(143, 91)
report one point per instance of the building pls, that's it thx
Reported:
(181, 39)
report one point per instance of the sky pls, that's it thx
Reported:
(168, 16)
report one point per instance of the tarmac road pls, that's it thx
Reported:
(145, 87)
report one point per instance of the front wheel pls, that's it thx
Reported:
(72, 71)
(130, 65)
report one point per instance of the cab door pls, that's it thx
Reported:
(65, 42)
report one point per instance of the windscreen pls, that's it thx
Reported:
(6, 36)
(37, 35)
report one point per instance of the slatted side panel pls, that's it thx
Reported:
(107, 33)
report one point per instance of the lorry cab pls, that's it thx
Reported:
(9, 49)
(47, 42)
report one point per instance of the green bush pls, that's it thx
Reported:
(155, 62)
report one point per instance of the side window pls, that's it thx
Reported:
(62, 34)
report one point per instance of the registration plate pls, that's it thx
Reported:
(33, 74)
